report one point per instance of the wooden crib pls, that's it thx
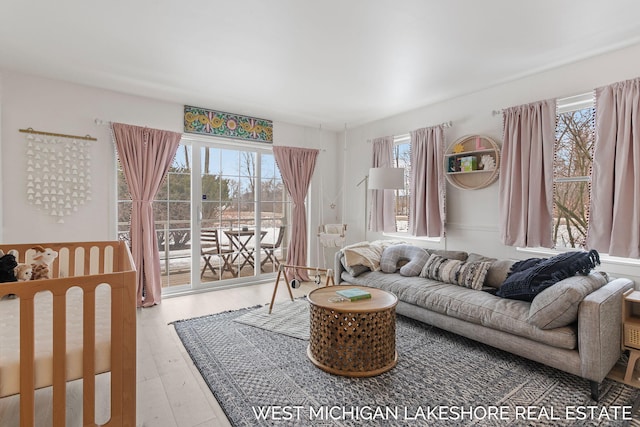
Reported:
(79, 269)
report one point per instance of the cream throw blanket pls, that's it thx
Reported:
(367, 253)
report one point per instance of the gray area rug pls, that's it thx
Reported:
(289, 318)
(262, 378)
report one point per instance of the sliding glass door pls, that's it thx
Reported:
(242, 214)
(222, 215)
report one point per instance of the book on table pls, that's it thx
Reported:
(354, 294)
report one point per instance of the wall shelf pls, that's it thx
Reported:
(472, 162)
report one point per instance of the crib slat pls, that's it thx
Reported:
(117, 348)
(72, 262)
(88, 356)
(87, 261)
(101, 256)
(27, 380)
(59, 358)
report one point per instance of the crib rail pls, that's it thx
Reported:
(85, 265)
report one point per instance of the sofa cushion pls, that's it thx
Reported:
(525, 284)
(416, 256)
(466, 304)
(467, 274)
(557, 305)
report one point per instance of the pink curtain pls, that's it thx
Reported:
(526, 175)
(296, 167)
(614, 225)
(382, 213)
(427, 186)
(145, 155)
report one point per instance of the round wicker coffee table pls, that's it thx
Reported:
(352, 338)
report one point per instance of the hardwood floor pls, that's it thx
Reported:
(170, 390)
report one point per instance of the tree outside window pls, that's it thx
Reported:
(402, 159)
(572, 176)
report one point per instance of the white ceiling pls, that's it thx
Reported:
(318, 63)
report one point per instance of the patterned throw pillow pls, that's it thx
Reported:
(468, 274)
(440, 268)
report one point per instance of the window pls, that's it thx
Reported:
(572, 170)
(402, 159)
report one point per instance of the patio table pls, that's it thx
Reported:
(239, 240)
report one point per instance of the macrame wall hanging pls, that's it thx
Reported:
(58, 172)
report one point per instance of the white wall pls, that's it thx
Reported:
(472, 215)
(61, 107)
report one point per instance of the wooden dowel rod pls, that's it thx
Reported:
(61, 135)
(298, 267)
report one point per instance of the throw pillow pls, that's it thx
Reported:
(472, 274)
(393, 255)
(525, 283)
(498, 273)
(354, 270)
(440, 268)
(557, 305)
(474, 257)
(459, 255)
(467, 274)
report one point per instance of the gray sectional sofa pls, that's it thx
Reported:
(574, 325)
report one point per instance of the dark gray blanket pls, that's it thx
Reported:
(529, 277)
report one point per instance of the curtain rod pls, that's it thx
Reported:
(87, 137)
(444, 125)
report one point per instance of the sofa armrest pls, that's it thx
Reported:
(599, 329)
(338, 268)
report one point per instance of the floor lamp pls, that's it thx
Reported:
(380, 179)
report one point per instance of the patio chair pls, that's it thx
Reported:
(210, 246)
(270, 249)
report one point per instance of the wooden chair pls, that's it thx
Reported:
(210, 246)
(270, 249)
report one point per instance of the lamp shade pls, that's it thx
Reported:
(386, 178)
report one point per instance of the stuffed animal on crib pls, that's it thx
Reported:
(42, 262)
(7, 265)
(23, 272)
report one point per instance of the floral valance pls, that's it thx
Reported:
(227, 125)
